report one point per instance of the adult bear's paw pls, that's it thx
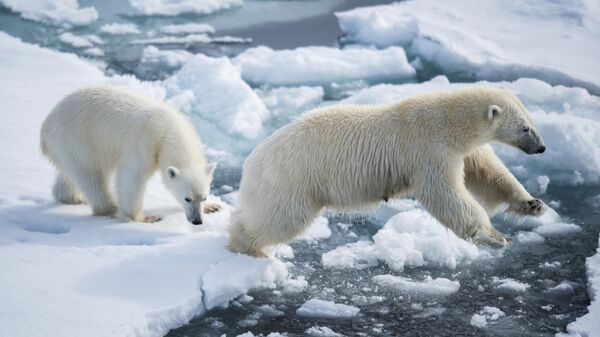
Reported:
(212, 207)
(533, 207)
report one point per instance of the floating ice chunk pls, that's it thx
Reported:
(366, 300)
(177, 7)
(269, 310)
(410, 238)
(529, 237)
(565, 288)
(322, 65)
(94, 51)
(297, 285)
(203, 80)
(486, 315)
(318, 229)
(65, 13)
(428, 287)
(326, 309)
(537, 185)
(322, 331)
(188, 28)
(509, 286)
(79, 41)
(486, 39)
(171, 59)
(119, 29)
(191, 39)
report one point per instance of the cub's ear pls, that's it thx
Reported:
(210, 168)
(493, 112)
(172, 171)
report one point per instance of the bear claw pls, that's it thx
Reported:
(533, 207)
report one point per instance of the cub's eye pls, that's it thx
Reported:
(188, 199)
(526, 130)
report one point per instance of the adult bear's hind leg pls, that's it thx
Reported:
(65, 191)
(488, 179)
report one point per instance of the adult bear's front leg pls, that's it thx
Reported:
(131, 178)
(492, 184)
(441, 189)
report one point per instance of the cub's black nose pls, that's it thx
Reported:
(197, 222)
(542, 149)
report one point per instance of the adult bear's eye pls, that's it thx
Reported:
(526, 130)
(188, 199)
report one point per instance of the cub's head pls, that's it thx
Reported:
(190, 186)
(510, 122)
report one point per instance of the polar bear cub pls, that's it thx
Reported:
(97, 131)
(346, 157)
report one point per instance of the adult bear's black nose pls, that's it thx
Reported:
(541, 149)
(197, 222)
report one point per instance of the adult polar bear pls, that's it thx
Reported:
(95, 131)
(343, 157)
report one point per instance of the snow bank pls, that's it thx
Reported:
(408, 239)
(177, 7)
(428, 287)
(119, 29)
(65, 13)
(326, 309)
(587, 325)
(322, 65)
(566, 118)
(212, 88)
(485, 315)
(67, 273)
(489, 40)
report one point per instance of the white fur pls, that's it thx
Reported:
(347, 157)
(98, 131)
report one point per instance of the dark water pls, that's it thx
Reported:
(394, 316)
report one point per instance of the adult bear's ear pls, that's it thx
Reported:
(493, 112)
(210, 168)
(172, 171)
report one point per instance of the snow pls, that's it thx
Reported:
(485, 315)
(213, 89)
(410, 238)
(79, 41)
(428, 287)
(67, 273)
(119, 29)
(322, 65)
(188, 28)
(177, 7)
(566, 118)
(317, 308)
(587, 325)
(509, 286)
(488, 40)
(64, 13)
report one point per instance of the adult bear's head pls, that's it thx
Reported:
(510, 121)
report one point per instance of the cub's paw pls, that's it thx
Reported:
(212, 207)
(151, 219)
(533, 207)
